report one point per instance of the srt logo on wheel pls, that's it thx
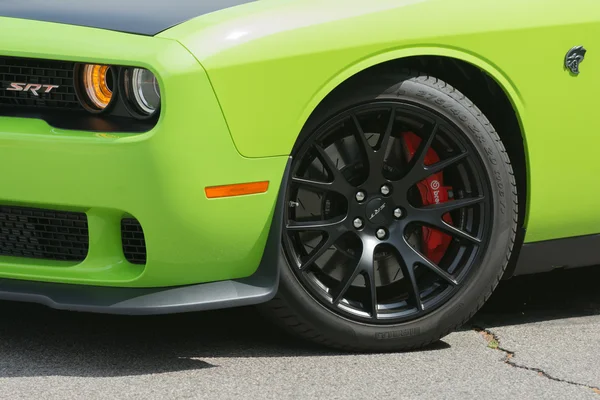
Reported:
(377, 211)
(33, 88)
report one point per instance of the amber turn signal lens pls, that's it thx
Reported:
(97, 86)
(239, 189)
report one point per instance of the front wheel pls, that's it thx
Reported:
(400, 217)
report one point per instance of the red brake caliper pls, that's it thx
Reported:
(432, 190)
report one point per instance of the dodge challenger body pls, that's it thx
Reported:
(364, 171)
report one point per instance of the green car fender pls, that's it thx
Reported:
(269, 77)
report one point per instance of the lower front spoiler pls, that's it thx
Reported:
(135, 301)
(255, 289)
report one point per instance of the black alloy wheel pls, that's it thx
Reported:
(361, 206)
(355, 208)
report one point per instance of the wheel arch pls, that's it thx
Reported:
(481, 81)
(399, 55)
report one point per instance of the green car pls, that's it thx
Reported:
(366, 171)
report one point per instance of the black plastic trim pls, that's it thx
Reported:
(258, 288)
(140, 17)
(67, 108)
(573, 252)
(82, 120)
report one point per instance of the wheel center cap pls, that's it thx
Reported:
(377, 211)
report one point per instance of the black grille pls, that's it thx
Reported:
(134, 243)
(46, 234)
(44, 72)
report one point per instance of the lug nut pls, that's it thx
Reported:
(385, 190)
(398, 213)
(357, 223)
(360, 196)
(381, 233)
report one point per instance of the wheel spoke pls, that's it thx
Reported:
(328, 163)
(442, 165)
(426, 171)
(338, 186)
(312, 184)
(415, 287)
(417, 162)
(376, 156)
(330, 225)
(385, 138)
(361, 138)
(372, 289)
(338, 293)
(457, 233)
(364, 265)
(443, 208)
(420, 259)
(344, 151)
(433, 216)
(406, 254)
(324, 245)
(338, 183)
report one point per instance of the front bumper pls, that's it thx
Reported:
(260, 287)
(157, 177)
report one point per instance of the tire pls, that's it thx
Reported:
(298, 310)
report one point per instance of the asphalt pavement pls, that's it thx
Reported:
(538, 337)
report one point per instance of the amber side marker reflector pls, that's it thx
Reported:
(239, 189)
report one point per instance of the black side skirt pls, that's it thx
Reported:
(580, 251)
(258, 288)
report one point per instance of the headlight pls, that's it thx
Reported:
(95, 83)
(118, 91)
(141, 90)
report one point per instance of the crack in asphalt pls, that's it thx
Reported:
(509, 355)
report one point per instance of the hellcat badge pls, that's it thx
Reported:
(575, 57)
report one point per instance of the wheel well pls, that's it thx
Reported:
(489, 97)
